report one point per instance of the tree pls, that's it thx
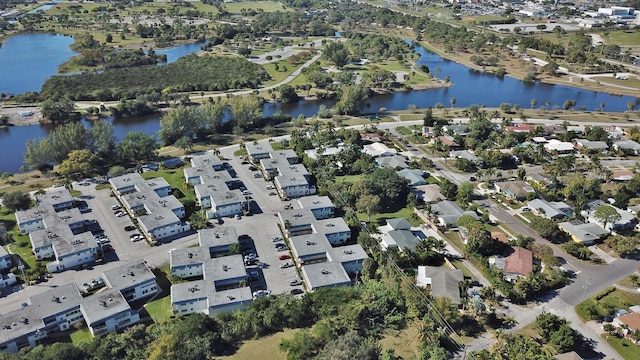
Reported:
(479, 241)
(59, 110)
(350, 346)
(449, 189)
(465, 192)
(103, 142)
(352, 99)
(184, 143)
(109, 38)
(337, 53)
(16, 200)
(569, 104)
(183, 121)
(631, 105)
(623, 245)
(368, 204)
(533, 103)
(56, 147)
(606, 215)
(452, 101)
(287, 94)
(245, 109)
(79, 163)
(137, 147)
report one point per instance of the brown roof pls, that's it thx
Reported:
(569, 356)
(632, 320)
(520, 128)
(520, 261)
(444, 140)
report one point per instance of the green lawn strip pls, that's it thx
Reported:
(278, 76)
(406, 213)
(454, 238)
(624, 347)
(267, 6)
(81, 336)
(403, 130)
(175, 179)
(617, 299)
(159, 309)
(460, 266)
(623, 38)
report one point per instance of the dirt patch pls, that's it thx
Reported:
(20, 116)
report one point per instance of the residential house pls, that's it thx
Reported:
(517, 190)
(446, 141)
(588, 146)
(392, 162)
(448, 212)
(5, 259)
(626, 221)
(540, 180)
(415, 177)
(516, 262)
(378, 149)
(323, 151)
(555, 146)
(555, 130)
(442, 282)
(577, 129)
(621, 174)
(456, 129)
(549, 210)
(585, 233)
(627, 146)
(631, 322)
(572, 355)
(157, 211)
(519, 128)
(466, 154)
(134, 280)
(370, 137)
(428, 193)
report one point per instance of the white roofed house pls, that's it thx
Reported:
(290, 178)
(549, 210)
(626, 220)
(378, 150)
(559, 147)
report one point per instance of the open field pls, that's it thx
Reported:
(264, 348)
(266, 6)
(617, 299)
(624, 347)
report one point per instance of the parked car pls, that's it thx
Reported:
(254, 275)
(276, 239)
(251, 256)
(286, 264)
(129, 228)
(284, 257)
(257, 175)
(280, 246)
(261, 293)
(237, 217)
(295, 282)
(107, 248)
(253, 168)
(116, 207)
(297, 291)
(243, 236)
(121, 214)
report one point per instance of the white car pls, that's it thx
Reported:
(261, 293)
(295, 282)
(276, 239)
(286, 264)
(121, 214)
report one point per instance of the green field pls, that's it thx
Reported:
(175, 178)
(266, 6)
(81, 336)
(406, 213)
(624, 347)
(618, 299)
(623, 38)
(159, 309)
(264, 348)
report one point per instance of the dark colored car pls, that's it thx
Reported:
(129, 228)
(296, 291)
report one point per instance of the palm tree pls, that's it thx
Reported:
(533, 103)
(602, 106)
(452, 101)
(547, 104)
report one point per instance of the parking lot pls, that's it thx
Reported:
(261, 227)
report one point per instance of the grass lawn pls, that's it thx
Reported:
(403, 130)
(159, 309)
(22, 247)
(81, 336)
(528, 215)
(618, 299)
(624, 37)
(279, 75)
(627, 282)
(624, 347)
(175, 179)
(454, 238)
(263, 348)
(380, 218)
(402, 342)
(267, 6)
(460, 266)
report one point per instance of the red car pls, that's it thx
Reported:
(284, 257)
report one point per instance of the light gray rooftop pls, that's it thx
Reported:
(207, 160)
(188, 256)
(103, 305)
(219, 236)
(128, 275)
(192, 290)
(325, 274)
(331, 226)
(297, 217)
(225, 267)
(315, 202)
(55, 301)
(347, 253)
(311, 245)
(257, 149)
(585, 232)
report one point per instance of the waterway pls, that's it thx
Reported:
(22, 56)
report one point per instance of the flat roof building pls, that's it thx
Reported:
(134, 280)
(326, 274)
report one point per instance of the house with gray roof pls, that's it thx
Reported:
(465, 154)
(448, 212)
(5, 259)
(546, 209)
(591, 146)
(415, 177)
(290, 178)
(517, 190)
(626, 221)
(378, 149)
(58, 230)
(585, 233)
(158, 212)
(392, 162)
(441, 282)
(627, 146)
(456, 129)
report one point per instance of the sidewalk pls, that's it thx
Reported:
(603, 255)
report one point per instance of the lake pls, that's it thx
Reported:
(470, 87)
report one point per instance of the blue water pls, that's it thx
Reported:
(27, 60)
